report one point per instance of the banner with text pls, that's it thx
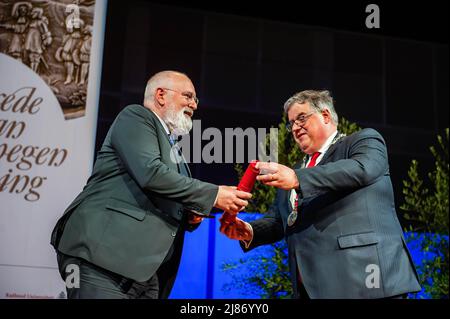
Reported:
(50, 70)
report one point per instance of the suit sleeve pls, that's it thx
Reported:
(267, 230)
(366, 163)
(135, 139)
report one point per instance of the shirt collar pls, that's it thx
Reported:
(166, 128)
(322, 150)
(327, 143)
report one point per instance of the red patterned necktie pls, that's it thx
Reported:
(313, 160)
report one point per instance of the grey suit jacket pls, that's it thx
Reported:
(347, 240)
(132, 207)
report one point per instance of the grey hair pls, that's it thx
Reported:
(319, 100)
(160, 79)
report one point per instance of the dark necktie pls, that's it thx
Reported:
(172, 139)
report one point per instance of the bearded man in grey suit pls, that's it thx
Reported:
(125, 230)
(336, 211)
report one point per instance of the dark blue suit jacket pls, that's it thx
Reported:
(347, 240)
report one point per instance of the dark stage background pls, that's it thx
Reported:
(246, 61)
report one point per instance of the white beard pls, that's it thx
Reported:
(178, 122)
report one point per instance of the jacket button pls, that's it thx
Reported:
(174, 234)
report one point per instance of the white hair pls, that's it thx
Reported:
(318, 100)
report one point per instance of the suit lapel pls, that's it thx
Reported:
(162, 132)
(334, 144)
(180, 155)
(159, 126)
(185, 165)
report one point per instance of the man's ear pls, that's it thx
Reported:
(159, 97)
(326, 114)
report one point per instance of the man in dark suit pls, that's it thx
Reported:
(336, 210)
(124, 232)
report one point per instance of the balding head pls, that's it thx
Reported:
(163, 79)
(171, 95)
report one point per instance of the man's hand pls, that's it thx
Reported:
(238, 229)
(277, 175)
(231, 200)
(194, 218)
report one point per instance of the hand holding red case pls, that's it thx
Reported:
(246, 184)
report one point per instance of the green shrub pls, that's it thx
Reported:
(427, 210)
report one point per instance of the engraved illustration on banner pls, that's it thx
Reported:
(54, 40)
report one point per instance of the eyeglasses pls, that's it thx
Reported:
(188, 95)
(300, 121)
